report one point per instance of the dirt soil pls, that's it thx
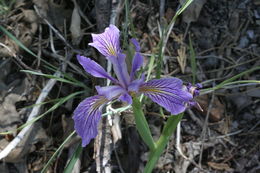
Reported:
(225, 36)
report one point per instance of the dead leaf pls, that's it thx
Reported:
(10, 120)
(191, 14)
(75, 28)
(23, 26)
(116, 129)
(182, 56)
(217, 110)
(55, 13)
(220, 166)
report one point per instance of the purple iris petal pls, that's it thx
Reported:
(168, 93)
(194, 90)
(120, 69)
(107, 43)
(126, 98)
(135, 85)
(110, 92)
(93, 68)
(137, 60)
(136, 44)
(86, 117)
(136, 64)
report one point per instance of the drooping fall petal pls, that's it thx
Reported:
(168, 93)
(86, 117)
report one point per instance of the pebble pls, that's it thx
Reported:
(243, 42)
(250, 34)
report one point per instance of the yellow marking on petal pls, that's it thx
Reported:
(148, 89)
(155, 90)
(109, 47)
(99, 102)
(111, 50)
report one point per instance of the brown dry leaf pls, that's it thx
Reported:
(182, 57)
(75, 28)
(26, 146)
(9, 116)
(116, 129)
(169, 14)
(220, 166)
(55, 13)
(9, 47)
(10, 119)
(191, 14)
(23, 25)
(217, 111)
(43, 7)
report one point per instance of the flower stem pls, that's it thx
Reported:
(168, 129)
(142, 125)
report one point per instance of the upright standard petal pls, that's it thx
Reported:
(86, 117)
(136, 44)
(107, 43)
(136, 64)
(168, 93)
(135, 85)
(93, 68)
(120, 69)
(137, 60)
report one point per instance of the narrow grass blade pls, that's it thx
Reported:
(226, 82)
(168, 130)
(184, 6)
(57, 152)
(142, 125)
(242, 81)
(73, 160)
(54, 77)
(192, 61)
(150, 67)
(165, 35)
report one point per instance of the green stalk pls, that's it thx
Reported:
(168, 130)
(142, 125)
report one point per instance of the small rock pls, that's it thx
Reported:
(235, 125)
(256, 2)
(257, 22)
(243, 42)
(247, 116)
(257, 111)
(250, 34)
(256, 14)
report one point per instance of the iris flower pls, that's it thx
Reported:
(169, 93)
